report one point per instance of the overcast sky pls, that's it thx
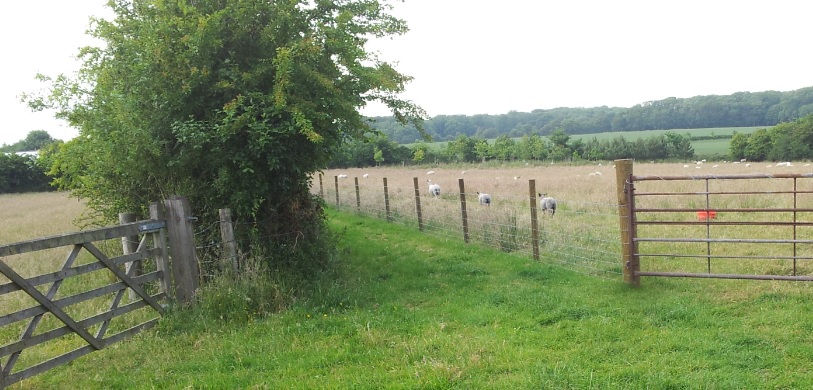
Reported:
(485, 57)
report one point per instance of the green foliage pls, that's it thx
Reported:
(232, 104)
(35, 140)
(742, 109)
(20, 174)
(737, 146)
(759, 145)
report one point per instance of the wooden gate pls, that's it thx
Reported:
(46, 303)
(734, 226)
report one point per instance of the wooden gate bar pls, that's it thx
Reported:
(42, 300)
(35, 321)
(122, 276)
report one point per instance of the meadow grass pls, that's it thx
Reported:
(409, 310)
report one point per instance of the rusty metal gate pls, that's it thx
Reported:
(747, 226)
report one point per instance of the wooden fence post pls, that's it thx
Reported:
(185, 271)
(534, 221)
(358, 198)
(129, 245)
(321, 188)
(387, 201)
(336, 184)
(227, 238)
(159, 240)
(463, 211)
(418, 203)
(629, 248)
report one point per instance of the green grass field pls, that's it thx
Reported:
(409, 310)
(716, 148)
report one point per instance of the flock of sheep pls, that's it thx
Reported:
(546, 203)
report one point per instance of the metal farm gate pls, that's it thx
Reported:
(748, 226)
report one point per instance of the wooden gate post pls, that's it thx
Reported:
(418, 203)
(159, 240)
(534, 221)
(227, 238)
(185, 271)
(463, 213)
(629, 248)
(129, 245)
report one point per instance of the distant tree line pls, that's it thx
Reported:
(790, 141)
(558, 146)
(742, 109)
(27, 173)
(19, 173)
(35, 140)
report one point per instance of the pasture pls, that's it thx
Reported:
(584, 234)
(410, 309)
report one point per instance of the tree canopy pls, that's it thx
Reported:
(230, 103)
(741, 109)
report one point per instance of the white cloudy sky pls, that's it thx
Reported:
(486, 57)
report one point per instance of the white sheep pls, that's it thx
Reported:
(434, 189)
(430, 173)
(342, 176)
(366, 175)
(547, 203)
(484, 199)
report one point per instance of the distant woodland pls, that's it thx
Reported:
(737, 110)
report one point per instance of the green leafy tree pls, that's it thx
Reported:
(504, 147)
(483, 150)
(759, 145)
(378, 156)
(678, 146)
(737, 145)
(231, 103)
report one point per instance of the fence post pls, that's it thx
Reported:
(182, 248)
(358, 198)
(463, 211)
(418, 203)
(534, 221)
(629, 249)
(336, 184)
(387, 201)
(227, 237)
(159, 240)
(321, 188)
(129, 245)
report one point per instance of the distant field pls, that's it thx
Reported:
(634, 135)
(703, 148)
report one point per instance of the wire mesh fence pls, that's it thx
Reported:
(582, 236)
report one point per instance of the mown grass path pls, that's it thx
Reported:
(418, 312)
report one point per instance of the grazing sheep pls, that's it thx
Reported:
(342, 176)
(434, 189)
(484, 199)
(547, 203)
(430, 173)
(366, 175)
